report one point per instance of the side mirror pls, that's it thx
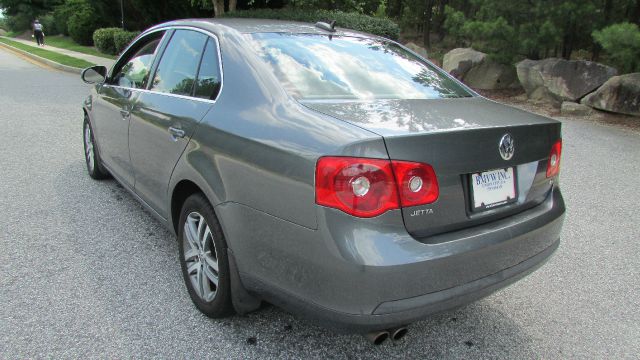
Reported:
(95, 74)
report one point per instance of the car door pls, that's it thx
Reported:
(183, 89)
(115, 100)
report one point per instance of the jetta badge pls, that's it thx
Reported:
(507, 147)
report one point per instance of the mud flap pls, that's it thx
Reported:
(242, 301)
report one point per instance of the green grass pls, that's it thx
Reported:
(64, 42)
(59, 58)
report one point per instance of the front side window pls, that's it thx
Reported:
(314, 66)
(135, 71)
(178, 66)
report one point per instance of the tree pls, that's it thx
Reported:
(622, 43)
(530, 28)
(83, 21)
(32, 7)
(216, 5)
(144, 13)
(493, 37)
(442, 4)
(428, 15)
(453, 23)
(20, 14)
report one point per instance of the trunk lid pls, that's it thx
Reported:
(458, 137)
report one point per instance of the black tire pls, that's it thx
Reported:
(95, 169)
(220, 305)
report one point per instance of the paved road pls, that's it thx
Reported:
(85, 272)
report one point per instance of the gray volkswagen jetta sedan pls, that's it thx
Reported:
(333, 173)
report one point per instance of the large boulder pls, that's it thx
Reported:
(458, 62)
(475, 69)
(557, 80)
(490, 75)
(417, 49)
(620, 94)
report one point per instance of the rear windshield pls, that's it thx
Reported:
(312, 66)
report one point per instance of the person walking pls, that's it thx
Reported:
(38, 32)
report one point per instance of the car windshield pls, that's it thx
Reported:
(313, 66)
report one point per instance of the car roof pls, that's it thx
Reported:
(245, 25)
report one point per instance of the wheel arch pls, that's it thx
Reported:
(181, 191)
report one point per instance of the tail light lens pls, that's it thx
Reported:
(553, 163)
(417, 183)
(360, 187)
(369, 187)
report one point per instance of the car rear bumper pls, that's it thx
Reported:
(376, 276)
(395, 313)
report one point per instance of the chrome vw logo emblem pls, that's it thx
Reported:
(506, 147)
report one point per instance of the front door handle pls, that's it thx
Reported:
(125, 113)
(176, 133)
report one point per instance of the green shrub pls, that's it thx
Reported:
(48, 25)
(411, 19)
(18, 23)
(123, 38)
(83, 21)
(61, 16)
(622, 44)
(453, 23)
(104, 40)
(496, 38)
(21, 22)
(374, 25)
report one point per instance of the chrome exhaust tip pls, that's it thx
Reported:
(377, 337)
(398, 333)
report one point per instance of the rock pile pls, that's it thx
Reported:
(575, 86)
(557, 80)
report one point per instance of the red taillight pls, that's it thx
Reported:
(417, 183)
(553, 163)
(360, 187)
(367, 187)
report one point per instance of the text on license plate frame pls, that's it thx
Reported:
(497, 188)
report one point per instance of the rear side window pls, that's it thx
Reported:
(178, 66)
(209, 81)
(135, 71)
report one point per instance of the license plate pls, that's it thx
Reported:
(493, 188)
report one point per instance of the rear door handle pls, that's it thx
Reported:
(176, 133)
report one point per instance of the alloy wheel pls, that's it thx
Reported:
(88, 147)
(200, 256)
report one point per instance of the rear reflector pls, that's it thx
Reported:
(553, 163)
(369, 187)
